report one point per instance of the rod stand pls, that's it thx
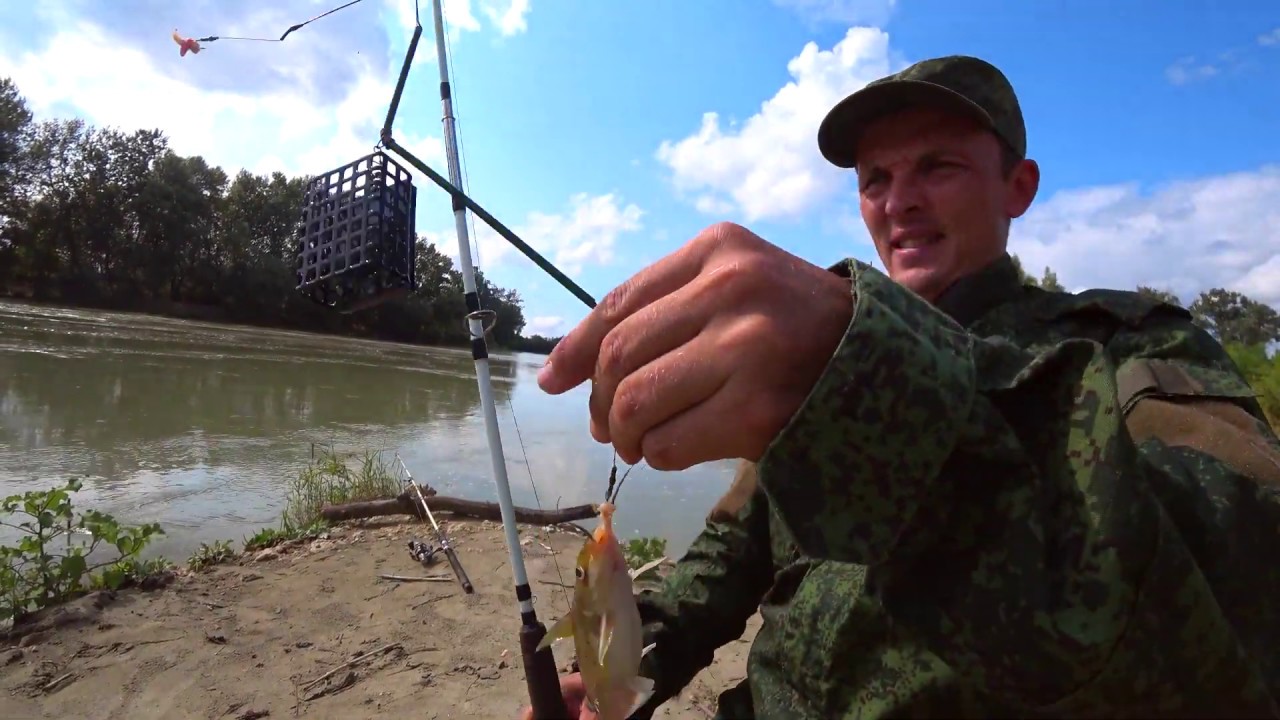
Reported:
(457, 195)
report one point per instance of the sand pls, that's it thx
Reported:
(248, 638)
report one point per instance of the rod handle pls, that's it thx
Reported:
(540, 675)
(457, 570)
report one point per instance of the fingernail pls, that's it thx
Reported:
(544, 374)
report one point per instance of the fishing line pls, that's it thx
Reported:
(564, 592)
(611, 495)
(299, 26)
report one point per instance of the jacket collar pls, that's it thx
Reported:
(973, 296)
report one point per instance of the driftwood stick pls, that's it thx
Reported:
(417, 578)
(405, 504)
(56, 681)
(351, 662)
(647, 567)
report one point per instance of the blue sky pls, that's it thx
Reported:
(586, 125)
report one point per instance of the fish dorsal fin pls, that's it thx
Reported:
(643, 688)
(561, 630)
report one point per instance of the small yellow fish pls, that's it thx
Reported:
(605, 625)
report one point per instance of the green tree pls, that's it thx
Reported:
(100, 217)
(1263, 373)
(1159, 295)
(1022, 274)
(1236, 318)
(1050, 281)
(15, 123)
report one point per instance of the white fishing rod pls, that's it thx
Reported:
(388, 270)
(539, 666)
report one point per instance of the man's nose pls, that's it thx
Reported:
(903, 196)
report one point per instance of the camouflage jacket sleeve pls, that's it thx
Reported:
(707, 599)
(1007, 519)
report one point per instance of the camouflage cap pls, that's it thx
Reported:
(957, 82)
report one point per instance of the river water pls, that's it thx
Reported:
(199, 426)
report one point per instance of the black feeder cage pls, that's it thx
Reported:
(357, 240)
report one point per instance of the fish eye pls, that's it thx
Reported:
(580, 572)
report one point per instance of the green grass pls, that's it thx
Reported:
(329, 479)
(47, 568)
(644, 549)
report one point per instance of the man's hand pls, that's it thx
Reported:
(706, 354)
(575, 699)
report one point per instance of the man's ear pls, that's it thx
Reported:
(1022, 186)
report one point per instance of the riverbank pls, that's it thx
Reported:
(311, 321)
(309, 629)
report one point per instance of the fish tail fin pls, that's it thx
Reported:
(643, 688)
(562, 629)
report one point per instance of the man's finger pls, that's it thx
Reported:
(681, 441)
(667, 387)
(574, 358)
(646, 335)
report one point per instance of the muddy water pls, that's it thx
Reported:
(199, 426)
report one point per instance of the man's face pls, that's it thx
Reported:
(934, 196)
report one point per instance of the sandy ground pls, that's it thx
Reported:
(249, 639)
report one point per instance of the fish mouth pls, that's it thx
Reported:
(604, 531)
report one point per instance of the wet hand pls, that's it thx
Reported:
(575, 699)
(707, 353)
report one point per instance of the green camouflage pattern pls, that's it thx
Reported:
(957, 524)
(959, 82)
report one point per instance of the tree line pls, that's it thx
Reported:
(103, 218)
(97, 217)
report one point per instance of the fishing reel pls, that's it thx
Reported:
(422, 551)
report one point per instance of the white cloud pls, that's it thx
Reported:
(508, 17)
(509, 20)
(1189, 236)
(584, 234)
(1270, 39)
(771, 167)
(1188, 69)
(284, 129)
(545, 325)
(458, 17)
(846, 12)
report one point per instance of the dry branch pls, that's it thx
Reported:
(405, 504)
(351, 663)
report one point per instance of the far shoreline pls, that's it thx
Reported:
(216, 315)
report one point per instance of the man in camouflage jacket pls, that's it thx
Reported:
(994, 500)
